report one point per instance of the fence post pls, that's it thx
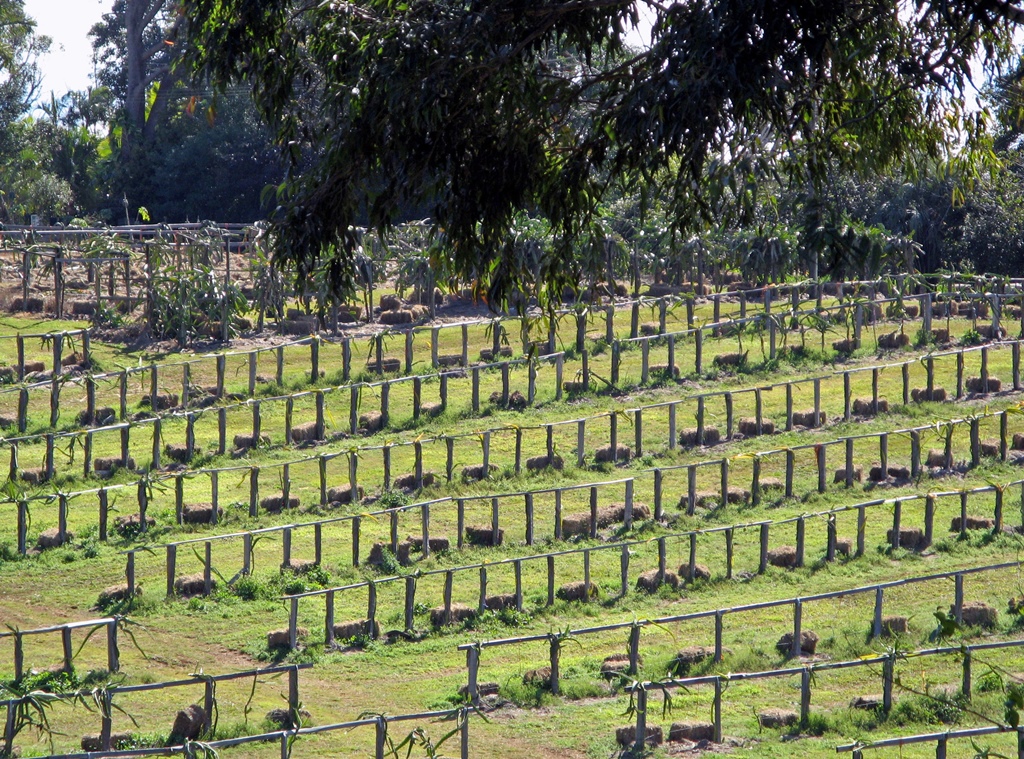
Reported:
(529, 520)
(819, 451)
(959, 375)
(805, 696)
(624, 570)
(641, 721)
(725, 482)
(728, 416)
(517, 565)
(410, 601)
(22, 527)
(473, 665)
(113, 661)
(425, 525)
(958, 598)
(966, 682)
(717, 711)
(876, 624)
(795, 647)
(554, 649)
(208, 568)
(887, 678)
(789, 407)
(551, 580)
(719, 624)
(897, 512)
(847, 405)
(755, 484)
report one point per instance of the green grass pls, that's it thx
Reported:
(226, 632)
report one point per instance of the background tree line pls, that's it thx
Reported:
(145, 135)
(186, 140)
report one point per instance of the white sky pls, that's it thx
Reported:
(67, 22)
(69, 62)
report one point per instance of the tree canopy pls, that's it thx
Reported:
(486, 110)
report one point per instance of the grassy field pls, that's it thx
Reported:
(226, 631)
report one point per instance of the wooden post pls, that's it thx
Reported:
(763, 563)
(425, 527)
(104, 511)
(861, 529)
(22, 409)
(554, 649)
(959, 374)
(54, 400)
(819, 451)
(624, 571)
(410, 601)
(221, 368)
(847, 404)
(356, 530)
(21, 358)
(805, 696)
(123, 396)
(551, 580)
(700, 420)
(849, 462)
(517, 565)
(789, 407)
(897, 512)
(798, 607)
(495, 526)
(659, 510)
(113, 662)
(887, 678)
(207, 569)
(154, 387)
(529, 520)
(558, 514)
(253, 360)
(717, 711)
(801, 531)
(449, 576)
(691, 490)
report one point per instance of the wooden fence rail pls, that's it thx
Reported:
(110, 624)
(142, 488)
(685, 541)
(288, 738)
(474, 650)
(807, 674)
(209, 698)
(88, 439)
(939, 739)
(56, 384)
